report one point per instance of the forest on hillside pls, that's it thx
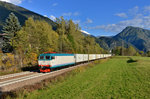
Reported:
(22, 45)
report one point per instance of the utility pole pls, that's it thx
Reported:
(61, 43)
(115, 48)
(88, 53)
(122, 48)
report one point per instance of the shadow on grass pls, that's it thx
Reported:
(131, 60)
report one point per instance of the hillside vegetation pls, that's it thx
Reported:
(118, 78)
(22, 14)
(36, 37)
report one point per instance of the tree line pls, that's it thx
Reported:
(129, 51)
(23, 44)
(37, 36)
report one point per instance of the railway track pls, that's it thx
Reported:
(13, 76)
(14, 81)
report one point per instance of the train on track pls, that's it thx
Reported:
(47, 61)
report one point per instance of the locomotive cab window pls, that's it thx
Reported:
(41, 57)
(53, 57)
(47, 57)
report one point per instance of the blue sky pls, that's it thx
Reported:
(98, 17)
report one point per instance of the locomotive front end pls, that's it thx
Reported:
(44, 63)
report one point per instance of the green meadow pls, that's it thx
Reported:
(117, 78)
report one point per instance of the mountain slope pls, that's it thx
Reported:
(21, 13)
(137, 37)
(109, 43)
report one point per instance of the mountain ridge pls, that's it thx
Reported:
(22, 14)
(130, 36)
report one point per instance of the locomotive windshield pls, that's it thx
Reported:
(53, 57)
(47, 57)
(41, 57)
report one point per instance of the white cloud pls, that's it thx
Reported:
(123, 15)
(71, 14)
(45, 16)
(137, 22)
(54, 4)
(137, 18)
(147, 8)
(133, 11)
(13, 1)
(76, 21)
(88, 21)
(107, 28)
(76, 13)
(29, 1)
(85, 32)
(67, 14)
(52, 17)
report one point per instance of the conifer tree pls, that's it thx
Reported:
(11, 26)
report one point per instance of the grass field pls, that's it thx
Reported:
(118, 78)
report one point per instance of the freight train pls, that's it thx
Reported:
(47, 61)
